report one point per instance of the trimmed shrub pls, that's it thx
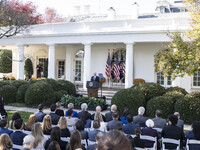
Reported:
(67, 86)
(2, 83)
(39, 92)
(177, 89)
(150, 90)
(175, 95)
(28, 68)
(55, 85)
(59, 94)
(46, 68)
(128, 98)
(34, 81)
(21, 93)
(164, 103)
(195, 94)
(5, 61)
(8, 92)
(189, 109)
(18, 83)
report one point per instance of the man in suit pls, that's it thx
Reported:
(113, 122)
(140, 118)
(98, 110)
(40, 114)
(92, 134)
(95, 77)
(159, 122)
(54, 117)
(180, 122)
(98, 137)
(3, 127)
(173, 132)
(109, 114)
(84, 107)
(28, 142)
(18, 136)
(130, 126)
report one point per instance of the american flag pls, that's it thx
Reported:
(108, 67)
(124, 68)
(116, 69)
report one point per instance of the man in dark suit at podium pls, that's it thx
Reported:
(95, 77)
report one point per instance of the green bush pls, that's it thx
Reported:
(195, 94)
(8, 92)
(128, 98)
(5, 82)
(39, 92)
(175, 95)
(177, 89)
(28, 68)
(59, 94)
(46, 68)
(189, 109)
(164, 103)
(18, 83)
(150, 90)
(55, 85)
(21, 93)
(67, 86)
(5, 61)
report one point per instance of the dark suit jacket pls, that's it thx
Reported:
(62, 144)
(92, 147)
(59, 112)
(109, 116)
(17, 137)
(129, 128)
(92, 134)
(84, 134)
(159, 122)
(139, 119)
(47, 132)
(149, 132)
(2, 110)
(4, 130)
(112, 123)
(40, 115)
(96, 79)
(180, 123)
(54, 118)
(173, 132)
(80, 113)
(104, 118)
(138, 142)
(65, 132)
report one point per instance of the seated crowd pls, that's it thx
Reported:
(72, 131)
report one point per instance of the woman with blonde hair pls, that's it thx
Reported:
(62, 124)
(47, 125)
(99, 117)
(40, 139)
(32, 119)
(5, 142)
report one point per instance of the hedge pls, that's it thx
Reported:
(18, 83)
(20, 97)
(2, 83)
(195, 94)
(59, 94)
(8, 92)
(28, 68)
(5, 61)
(55, 85)
(189, 109)
(39, 92)
(128, 98)
(175, 95)
(150, 90)
(164, 103)
(67, 86)
(177, 89)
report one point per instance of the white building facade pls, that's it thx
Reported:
(82, 47)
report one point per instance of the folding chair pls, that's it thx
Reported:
(91, 142)
(65, 139)
(159, 130)
(18, 146)
(150, 138)
(191, 142)
(170, 141)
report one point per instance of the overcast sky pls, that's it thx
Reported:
(122, 7)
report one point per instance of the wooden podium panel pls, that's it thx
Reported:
(92, 92)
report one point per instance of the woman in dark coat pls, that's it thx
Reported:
(2, 109)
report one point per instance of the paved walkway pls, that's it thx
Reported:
(27, 109)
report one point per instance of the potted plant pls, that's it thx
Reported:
(28, 69)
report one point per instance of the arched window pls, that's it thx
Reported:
(79, 65)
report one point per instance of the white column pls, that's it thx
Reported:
(129, 65)
(51, 62)
(87, 64)
(68, 64)
(20, 70)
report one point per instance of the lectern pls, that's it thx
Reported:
(92, 88)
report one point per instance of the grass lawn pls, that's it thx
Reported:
(25, 115)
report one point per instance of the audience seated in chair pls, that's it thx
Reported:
(80, 126)
(109, 114)
(40, 114)
(98, 137)
(62, 124)
(98, 116)
(140, 118)
(130, 126)
(71, 121)
(28, 142)
(40, 139)
(92, 134)
(47, 125)
(75, 141)
(5, 142)
(18, 136)
(32, 119)
(85, 117)
(55, 136)
(84, 108)
(112, 123)
(3, 127)
(124, 115)
(71, 107)
(98, 110)
(54, 146)
(180, 122)
(54, 117)
(59, 111)
(15, 116)
(159, 122)
(136, 140)
(114, 140)
(173, 132)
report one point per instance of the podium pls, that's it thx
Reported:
(92, 88)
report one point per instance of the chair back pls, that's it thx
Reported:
(191, 142)
(150, 138)
(18, 146)
(170, 141)
(159, 130)
(66, 139)
(138, 148)
(91, 142)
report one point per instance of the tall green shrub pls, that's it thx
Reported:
(8, 92)
(20, 97)
(176, 89)
(18, 83)
(67, 86)
(46, 68)
(5, 61)
(28, 68)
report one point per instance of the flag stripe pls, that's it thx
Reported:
(108, 67)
